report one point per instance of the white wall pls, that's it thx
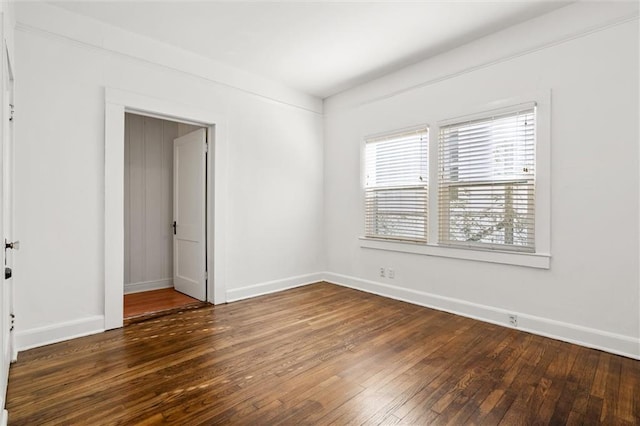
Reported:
(274, 196)
(590, 294)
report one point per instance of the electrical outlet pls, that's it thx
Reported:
(382, 272)
(513, 320)
(391, 273)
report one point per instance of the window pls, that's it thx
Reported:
(396, 185)
(491, 176)
(487, 181)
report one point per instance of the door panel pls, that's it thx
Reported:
(6, 222)
(189, 244)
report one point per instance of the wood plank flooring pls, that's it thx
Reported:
(136, 304)
(320, 354)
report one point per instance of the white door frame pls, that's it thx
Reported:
(117, 102)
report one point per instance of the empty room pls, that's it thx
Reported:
(309, 212)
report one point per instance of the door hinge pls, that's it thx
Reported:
(206, 147)
(11, 111)
(206, 275)
(13, 320)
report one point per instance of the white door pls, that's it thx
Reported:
(7, 203)
(6, 223)
(189, 204)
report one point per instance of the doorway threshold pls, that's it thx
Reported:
(151, 304)
(158, 314)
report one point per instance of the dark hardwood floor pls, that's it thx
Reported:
(320, 354)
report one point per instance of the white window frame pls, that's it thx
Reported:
(541, 258)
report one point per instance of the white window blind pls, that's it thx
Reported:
(396, 191)
(487, 181)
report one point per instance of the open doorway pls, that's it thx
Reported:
(164, 215)
(117, 103)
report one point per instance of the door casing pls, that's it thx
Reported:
(117, 102)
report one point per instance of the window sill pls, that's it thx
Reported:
(531, 260)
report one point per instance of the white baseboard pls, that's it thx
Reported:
(59, 332)
(603, 340)
(148, 285)
(272, 286)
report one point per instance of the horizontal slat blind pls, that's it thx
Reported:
(396, 194)
(487, 181)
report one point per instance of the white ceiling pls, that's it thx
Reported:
(320, 48)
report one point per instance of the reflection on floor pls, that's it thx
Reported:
(147, 302)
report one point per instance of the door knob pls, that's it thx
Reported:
(15, 245)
